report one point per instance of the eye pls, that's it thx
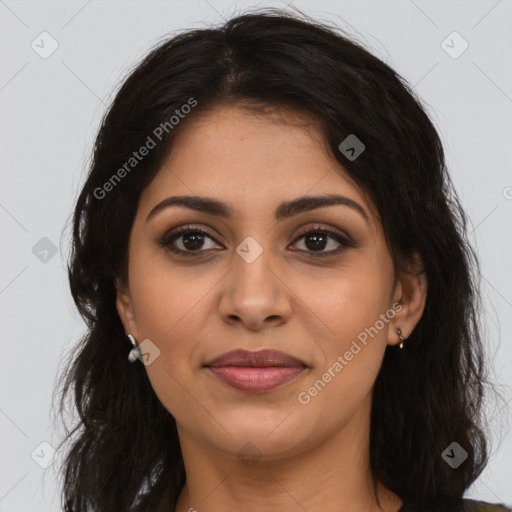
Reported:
(192, 240)
(318, 238)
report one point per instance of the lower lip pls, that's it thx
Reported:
(256, 379)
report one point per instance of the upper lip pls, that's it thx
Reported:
(262, 358)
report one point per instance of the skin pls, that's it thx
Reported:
(312, 456)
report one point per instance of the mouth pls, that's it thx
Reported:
(256, 372)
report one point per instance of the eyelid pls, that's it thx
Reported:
(323, 228)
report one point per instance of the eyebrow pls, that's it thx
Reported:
(285, 210)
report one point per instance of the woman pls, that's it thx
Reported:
(269, 221)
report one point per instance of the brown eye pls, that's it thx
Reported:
(316, 240)
(191, 240)
(188, 241)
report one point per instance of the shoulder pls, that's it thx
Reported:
(484, 506)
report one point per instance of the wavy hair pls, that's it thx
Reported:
(125, 453)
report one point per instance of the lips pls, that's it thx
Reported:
(256, 372)
(261, 359)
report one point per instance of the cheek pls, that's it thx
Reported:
(349, 302)
(165, 297)
(168, 311)
(171, 308)
(352, 336)
(351, 349)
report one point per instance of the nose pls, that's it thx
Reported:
(255, 295)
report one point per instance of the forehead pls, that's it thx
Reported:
(251, 160)
(233, 135)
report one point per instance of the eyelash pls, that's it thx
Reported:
(168, 238)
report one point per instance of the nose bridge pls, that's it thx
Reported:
(251, 274)
(254, 292)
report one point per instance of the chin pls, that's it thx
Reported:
(264, 442)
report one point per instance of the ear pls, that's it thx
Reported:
(125, 309)
(411, 293)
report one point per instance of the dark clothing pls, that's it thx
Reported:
(468, 506)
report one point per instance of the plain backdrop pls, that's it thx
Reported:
(50, 109)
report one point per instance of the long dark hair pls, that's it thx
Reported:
(125, 452)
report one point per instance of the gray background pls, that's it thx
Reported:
(50, 110)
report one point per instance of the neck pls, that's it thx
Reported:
(332, 476)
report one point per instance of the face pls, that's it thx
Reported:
(315, 283)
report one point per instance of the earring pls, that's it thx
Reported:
(135, 351)
(402, 339)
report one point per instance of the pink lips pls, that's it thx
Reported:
(256, 372)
